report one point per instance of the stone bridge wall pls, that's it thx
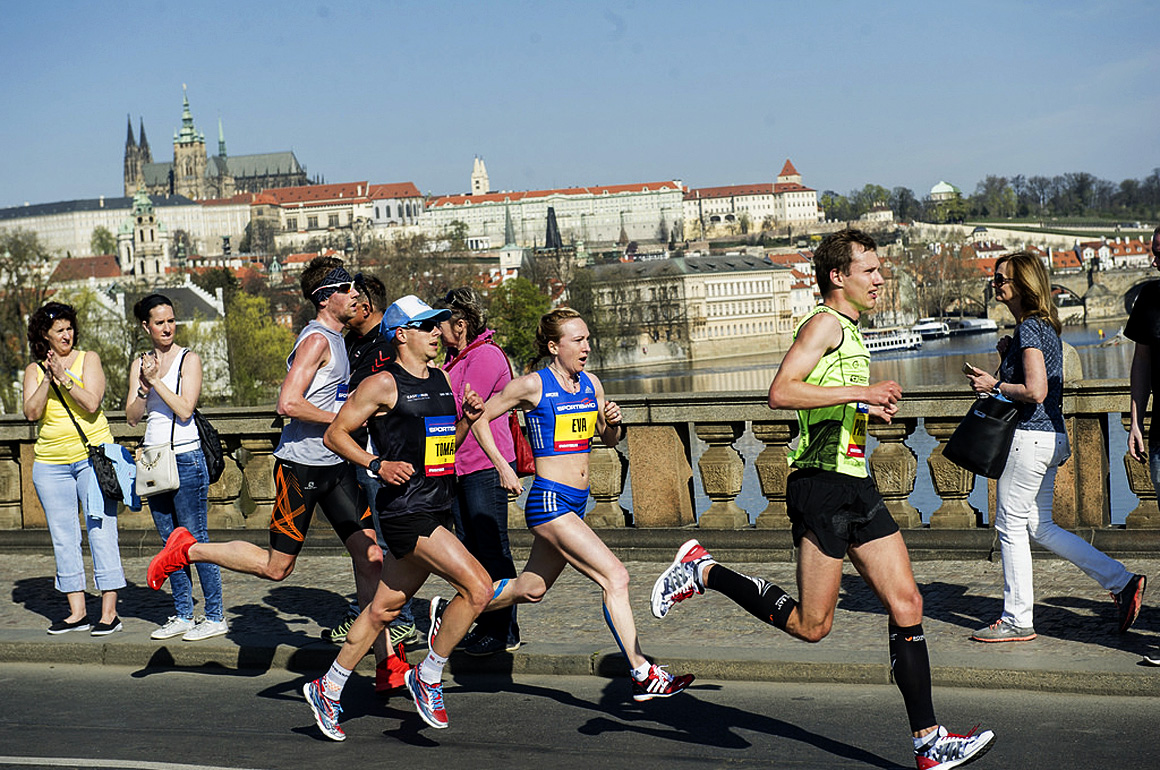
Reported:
(659, 457)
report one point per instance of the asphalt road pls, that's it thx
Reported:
(109, 717)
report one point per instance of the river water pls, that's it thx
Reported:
(938, 362)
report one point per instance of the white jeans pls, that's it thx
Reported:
(1024, 498)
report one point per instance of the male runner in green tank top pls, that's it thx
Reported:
(833, 504)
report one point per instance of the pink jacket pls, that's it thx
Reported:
(485, 367)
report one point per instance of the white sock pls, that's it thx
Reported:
(925, 742)
(640, 673)
(431, 669)
(334, 681)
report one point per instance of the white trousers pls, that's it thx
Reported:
(1023, 499)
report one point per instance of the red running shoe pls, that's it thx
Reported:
(391, 674)
(659, 684)
(174, 556)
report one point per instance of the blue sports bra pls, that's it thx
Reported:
(562, 423)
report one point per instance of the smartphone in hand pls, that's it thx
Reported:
(969, 370)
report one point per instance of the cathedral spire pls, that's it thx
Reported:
(221, 138)
(130, 142)
(188, 134)
(146, 153)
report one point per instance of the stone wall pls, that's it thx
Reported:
(659, 458)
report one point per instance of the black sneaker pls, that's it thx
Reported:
(64, 626)
(104, 629)
(469, 639)
(486, 644)
(1129, 601)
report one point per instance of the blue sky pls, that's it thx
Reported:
(556, 94)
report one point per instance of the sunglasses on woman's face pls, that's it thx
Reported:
(999, 281)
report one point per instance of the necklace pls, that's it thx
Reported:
(568, 382)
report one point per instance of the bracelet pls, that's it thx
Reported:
(141, 392)
(995, 390)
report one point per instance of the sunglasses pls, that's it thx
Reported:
(1000, 281)
(341, 288)
(426, 325)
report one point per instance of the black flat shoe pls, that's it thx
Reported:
(104, 629)
(64, 626)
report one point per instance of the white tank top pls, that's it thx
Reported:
(161, 417)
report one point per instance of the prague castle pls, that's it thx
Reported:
(196, 175)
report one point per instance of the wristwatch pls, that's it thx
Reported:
(374, 465)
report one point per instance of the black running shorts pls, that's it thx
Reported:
(298, 488)
(840, 510)
(402, 532)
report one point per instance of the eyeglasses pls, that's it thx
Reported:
(426, 325)
(341, 288)
(999, 281)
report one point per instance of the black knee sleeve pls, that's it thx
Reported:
(758, 597)
(910, 664)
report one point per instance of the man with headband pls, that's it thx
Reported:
(306, 473)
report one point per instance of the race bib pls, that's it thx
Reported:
(857, 446)
(574, 429)
(439, 445)
(341, 394)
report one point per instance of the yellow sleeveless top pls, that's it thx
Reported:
(57, 442)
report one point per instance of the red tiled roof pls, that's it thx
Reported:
(460, 200)
(395, 190)
(730, 191)
(788, 169)
(79, 268)
(315, 193)
(782, 187)
(1066, 259)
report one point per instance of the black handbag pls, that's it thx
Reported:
(211, 446)
(983, 439)
(103, 467)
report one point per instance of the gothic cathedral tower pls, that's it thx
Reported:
(189, 157)
(136, 156)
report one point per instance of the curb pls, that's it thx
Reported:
(564, 660)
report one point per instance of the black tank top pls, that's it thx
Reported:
(420, 430)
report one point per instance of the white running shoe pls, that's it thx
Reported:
(950, 750)
(682, 579)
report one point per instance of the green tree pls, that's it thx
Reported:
(214, 278)
(516, 307)
(744, 221)
(24, 273)
(258, 347)
(103, 241)
(862, 201)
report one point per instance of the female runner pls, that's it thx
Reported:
(565, 407)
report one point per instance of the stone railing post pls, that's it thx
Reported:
(10, 493)
(894, 466)
(772, 467)
(952, 482)
(1146, 514)
(257, 489)
(604, 474)
(721, 469)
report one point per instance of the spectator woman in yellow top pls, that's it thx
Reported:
(61, 471)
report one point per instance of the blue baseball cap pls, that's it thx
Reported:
(409, 311)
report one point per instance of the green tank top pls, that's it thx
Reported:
(833, 438)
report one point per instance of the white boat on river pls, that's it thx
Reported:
(879, 340)
(931, 328)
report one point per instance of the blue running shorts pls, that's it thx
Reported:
(548, 500)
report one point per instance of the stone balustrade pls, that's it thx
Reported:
(665, 434)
